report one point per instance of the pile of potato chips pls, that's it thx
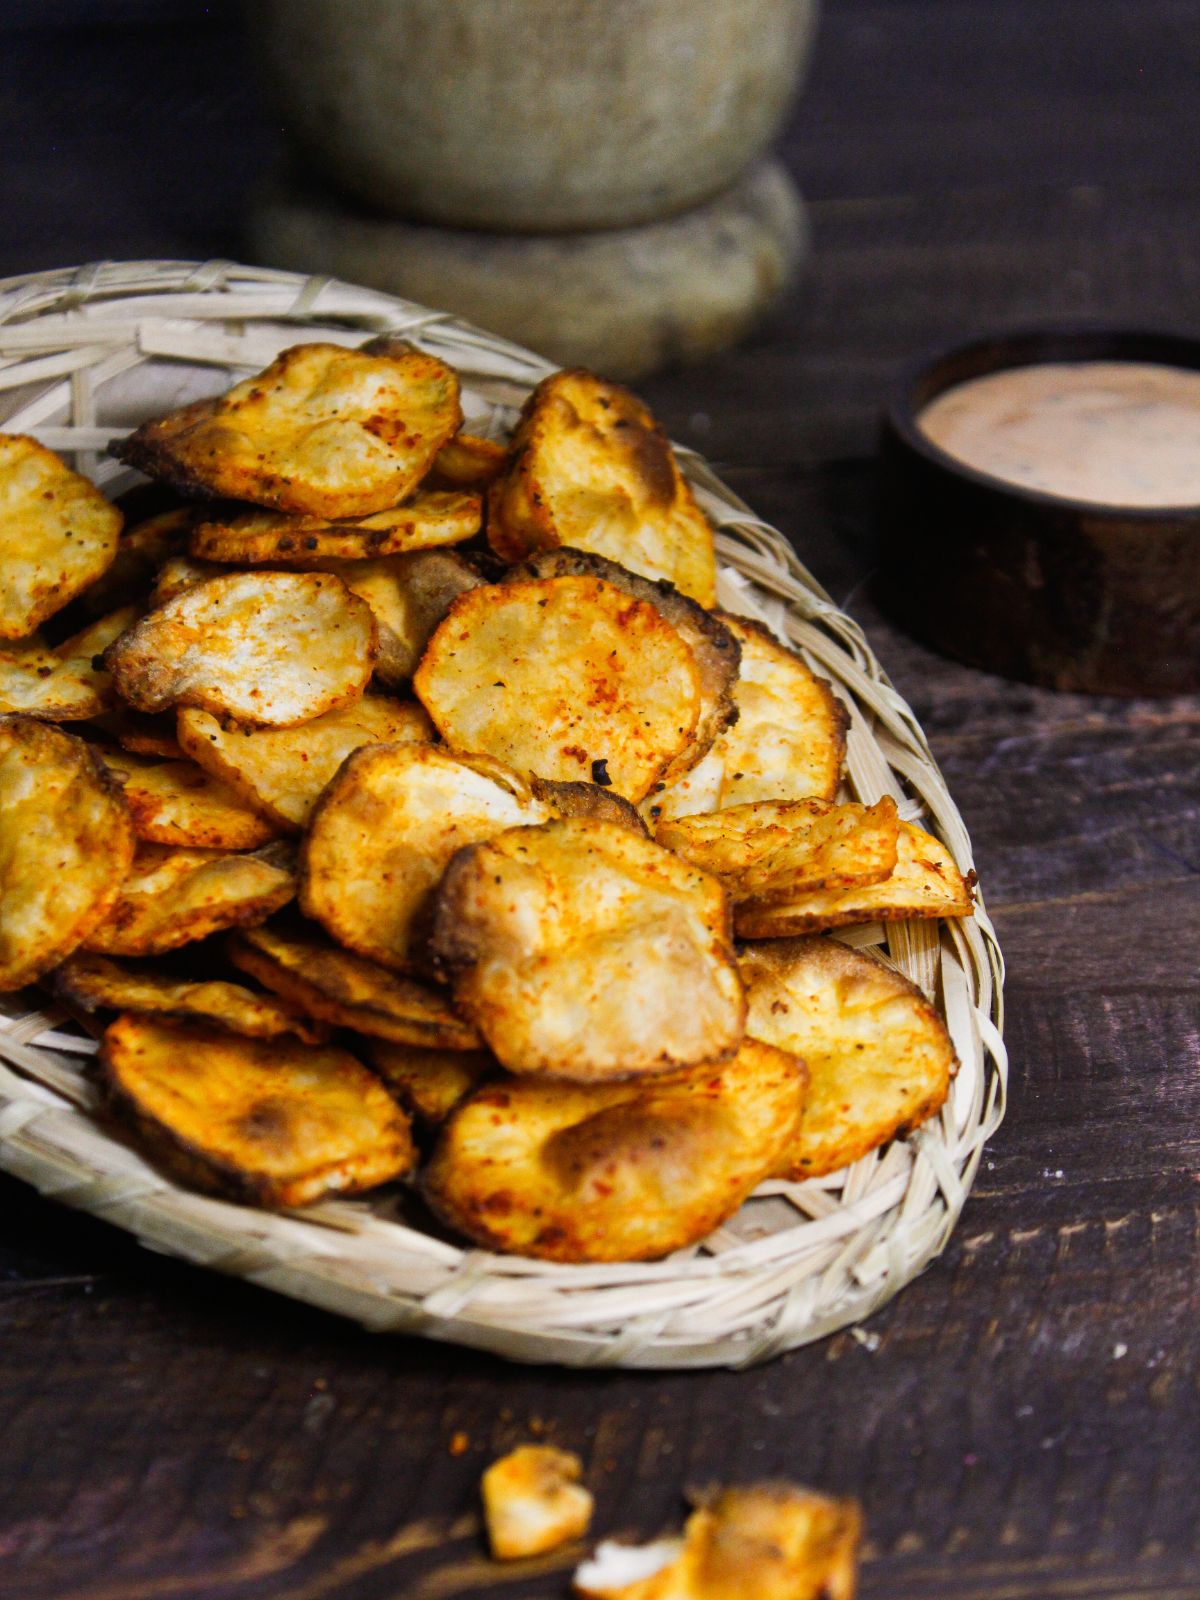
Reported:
(414, 796)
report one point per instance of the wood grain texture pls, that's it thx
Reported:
(1028, 1423)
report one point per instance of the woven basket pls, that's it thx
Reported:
(86, 354)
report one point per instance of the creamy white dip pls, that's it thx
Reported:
(1118, 433)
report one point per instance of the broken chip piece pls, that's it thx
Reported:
(533, 1501)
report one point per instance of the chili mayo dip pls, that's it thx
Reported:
(1115, 433)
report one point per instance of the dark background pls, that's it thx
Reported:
(1028, 1424)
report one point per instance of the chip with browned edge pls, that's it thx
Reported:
(339, 987)
(172, 897)
(429, 1083)
(66, 842)
(383, 831)
(268, 648)
(925, 882)
(584, 952)
(430, 519)
(269, 1121)
(94, 983)
(177, 802)
(323, 430)
(57, 534)
(590, 467)
(614, 1172)
(564, 677)
(66, 684)
(771, 850)
(282, 771)
(878, 1054)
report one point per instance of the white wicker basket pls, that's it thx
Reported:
(86, 354)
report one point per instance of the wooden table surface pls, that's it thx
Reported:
(1024, 1420)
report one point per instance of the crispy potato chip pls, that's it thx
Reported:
(614, 1172)
(282, 771)
(590, 468)
(715, 651)
(878, 1055)
(409, 596)
(172, 897)
(177, 802)
(790, 737)
(429, 1083)
(143, 735)
(141, 551)
(587, 800)
(468, 462)
(93, 982)
(566, 677)
(764, 1541)
(771, 850)
(37, 682)
(57, 534)
(183, 572)
(430, 519)
(66, 842)
(273, 648)
(383, 831)
(268, 1121)
(323, 431)
(924, 883)
(338, 987)
(533, 1501)
(584, 952)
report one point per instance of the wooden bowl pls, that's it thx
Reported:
(1054, 591)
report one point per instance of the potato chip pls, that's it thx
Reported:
(273, 648)
(143, 735)
(66, 842)
(141, 551)
(764, 1541)
(431, 518)
(584, 952)
(533, 1501)
(183, 572)
(409, 596)
(57, 534)
(429, 1083)
(715, 651)
(771, 850)
(614, 1172)
(36, 682)
(344, 989)
(587, 800)
(566, 677)
(177, 802)
(267, 1121)
(468, 462)
(590, 468)
(383, 831)
(878, 1055)
(282, 771)
(172, 897)
(323, 431)
(924, 883)
(94, 983)
(790, 737)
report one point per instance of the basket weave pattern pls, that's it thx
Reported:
(84, 356)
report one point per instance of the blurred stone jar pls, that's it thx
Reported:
(585, 176)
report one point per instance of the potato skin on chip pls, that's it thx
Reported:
(172, 897)
(430, 519)
(266, 1121)
(269, 648)
(429, 1083)
(66, 842)
(381, 834)
(716, 652)
(323, 430)
(94, 983)
(590, 467)
(587, 800)
(924, 883)
(584, 952)
(177, 802)
(349, 991)
(878, 1054)
(57, 534)
(768, 851)
(565, 677)
(282, 771)
(614, 1172)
